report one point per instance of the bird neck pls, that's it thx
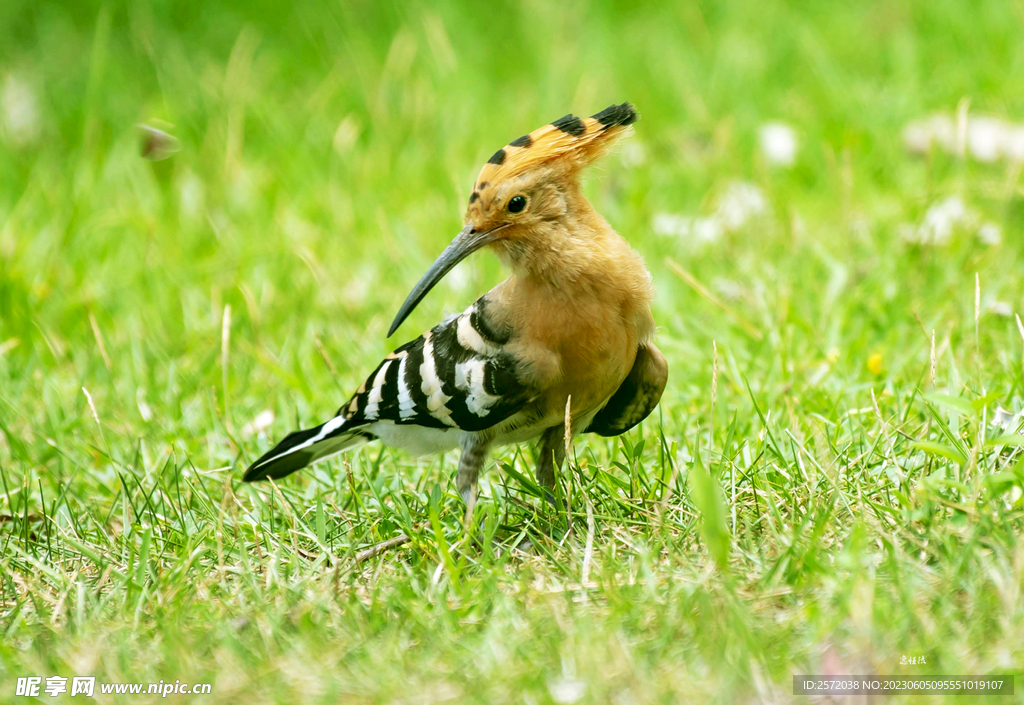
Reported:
(568, 255)
(576, 263)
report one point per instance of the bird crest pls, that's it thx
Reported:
(569, 143)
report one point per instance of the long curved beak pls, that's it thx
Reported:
(465, 243)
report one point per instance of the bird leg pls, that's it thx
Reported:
(552, 456)
(474, 455)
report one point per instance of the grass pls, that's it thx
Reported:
(822, 489)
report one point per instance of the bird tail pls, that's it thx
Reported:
(303, 448)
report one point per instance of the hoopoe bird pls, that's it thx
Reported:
(570, 332)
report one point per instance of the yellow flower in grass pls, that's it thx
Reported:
(876, 363)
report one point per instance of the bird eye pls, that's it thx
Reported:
(516, 204)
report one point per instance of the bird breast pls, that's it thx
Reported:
(580, 345)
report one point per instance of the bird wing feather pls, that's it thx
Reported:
(636, 397)
(458, 375)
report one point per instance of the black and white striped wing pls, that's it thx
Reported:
(455, 376)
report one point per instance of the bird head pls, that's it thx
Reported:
(526, 191)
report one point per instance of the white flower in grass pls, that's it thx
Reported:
(19, 112)
(1006, 421)
(705, 230)
(740, 203)
(566, 690)
(1013, 143)
(671, 224)
(1016, 495)
(261, 423)
(947, 217)
(990, 233)
(697, 230)
(919, 135)
(940, 222)
(632, 153)
(1000, 308)
(985, 138)
(942, 218)
(779, 143)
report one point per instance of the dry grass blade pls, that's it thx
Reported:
(379, 548)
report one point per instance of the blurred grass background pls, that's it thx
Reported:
(326, 152)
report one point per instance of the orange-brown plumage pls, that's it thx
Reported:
(572, 322)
